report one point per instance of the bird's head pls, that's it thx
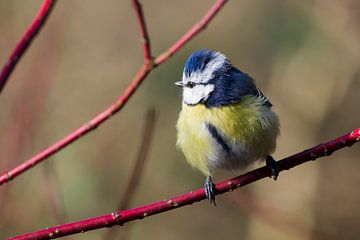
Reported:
(201, 75)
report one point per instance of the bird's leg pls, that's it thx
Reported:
(273, 166)
(210, 190)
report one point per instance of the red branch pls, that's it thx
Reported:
(144, 32)
(198, 27)
(122, 100)
(25, 41)
(119, 218)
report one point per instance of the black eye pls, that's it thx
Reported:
(190, 84)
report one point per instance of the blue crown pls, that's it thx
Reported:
(231, 84)
(198, 60)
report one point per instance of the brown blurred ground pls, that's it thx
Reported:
(304, 55)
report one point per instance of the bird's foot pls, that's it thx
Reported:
(210, 190)
(273, 166)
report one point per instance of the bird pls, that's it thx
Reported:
(225, 122)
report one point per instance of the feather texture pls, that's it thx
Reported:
(248, 127)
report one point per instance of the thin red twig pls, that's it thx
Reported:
(198, 27)
(25, 41)
(116, 106)
(119, 218)
(21, 126)
(144, 31)
(134, 180)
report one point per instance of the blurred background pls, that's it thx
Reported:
(304, 56)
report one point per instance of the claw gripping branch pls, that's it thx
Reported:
(119, 218)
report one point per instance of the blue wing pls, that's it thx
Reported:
(231, 86)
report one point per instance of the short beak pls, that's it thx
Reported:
(179, 84)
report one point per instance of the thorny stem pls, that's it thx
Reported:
(25, 41)
(119, 218)
(122, 100)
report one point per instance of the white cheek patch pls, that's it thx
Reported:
(197, 94)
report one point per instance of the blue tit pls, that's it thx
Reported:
(226, 121)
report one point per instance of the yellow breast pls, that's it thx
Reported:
(248, 125)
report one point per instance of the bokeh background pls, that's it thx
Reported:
(304, 56)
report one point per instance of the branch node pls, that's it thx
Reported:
(190, 197)
(231, 185)
(356, 133)
(326, 153)
(90, 125)
(55, 233)
(8, 176)
(149, 64)
(117, 217)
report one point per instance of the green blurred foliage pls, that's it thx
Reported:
(304, 55)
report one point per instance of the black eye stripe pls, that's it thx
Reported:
(193, 84)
